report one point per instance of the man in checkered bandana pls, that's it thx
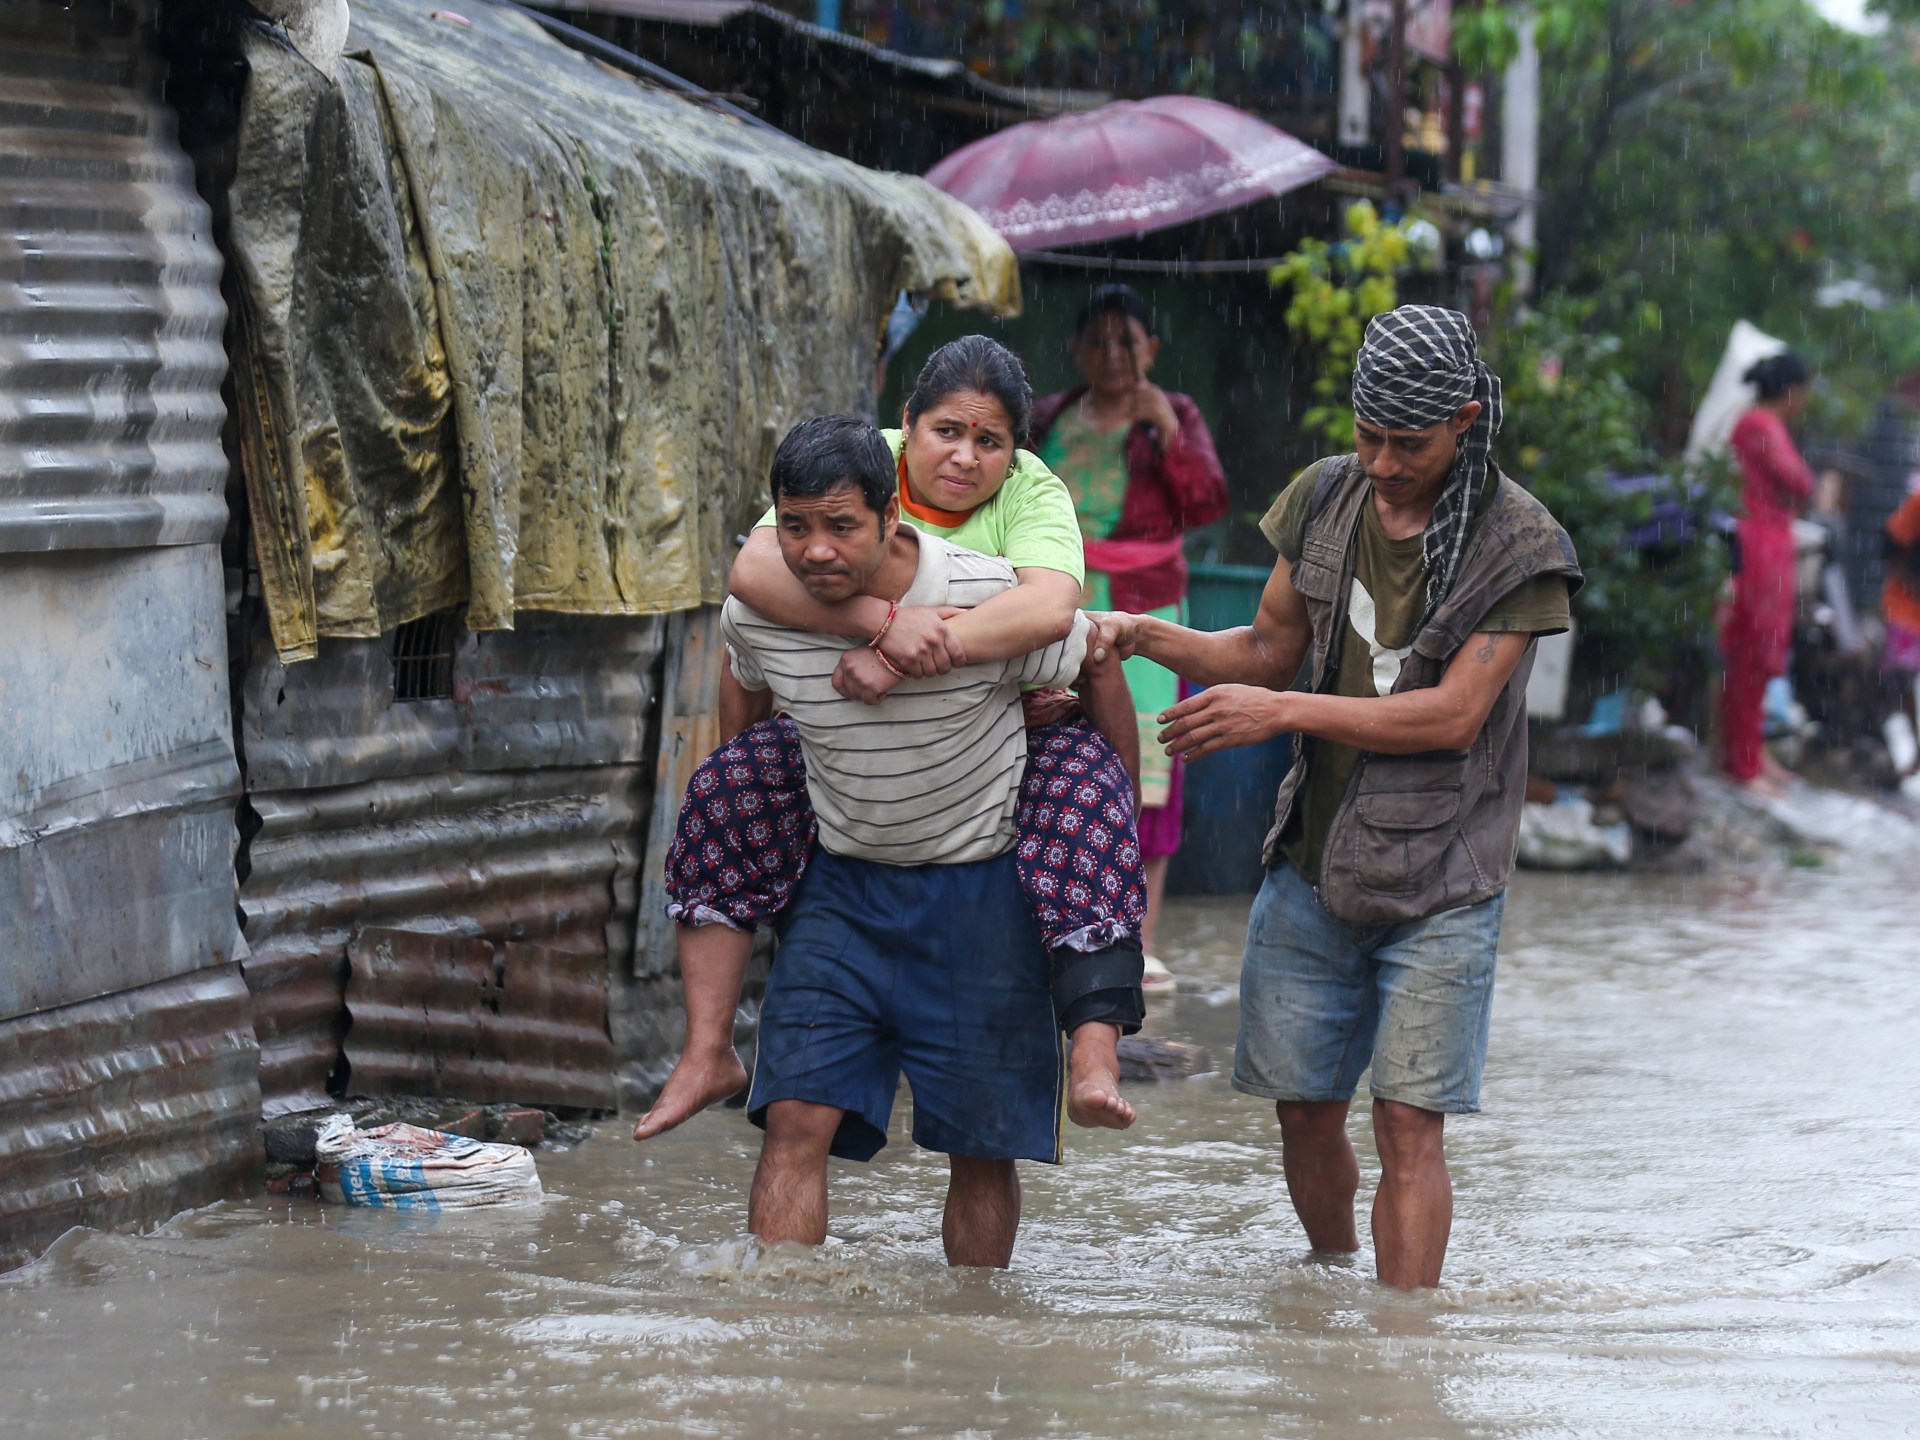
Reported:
(1420, 367)
(1412, 580)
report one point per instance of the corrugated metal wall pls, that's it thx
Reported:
(118, 779)
(115, 815)
(512, 811)
(126, 1109)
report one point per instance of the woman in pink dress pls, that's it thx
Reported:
(1759, 626)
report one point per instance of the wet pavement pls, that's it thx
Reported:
(1692, 1208)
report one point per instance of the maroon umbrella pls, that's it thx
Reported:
(1124, 169)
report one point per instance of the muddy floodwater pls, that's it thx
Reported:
(1691, 1208)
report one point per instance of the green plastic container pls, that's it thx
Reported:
(1229, 796)
(1219, 597)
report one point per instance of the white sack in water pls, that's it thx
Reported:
(1563, 836)
(403, 1167)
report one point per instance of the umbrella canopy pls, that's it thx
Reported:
(1129, 167)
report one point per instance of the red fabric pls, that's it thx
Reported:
(1742, 724)
(1778, 483)
(1126, 557)
(1167, 495)
(1899, 598)
(1160, 824)
(1759, 626)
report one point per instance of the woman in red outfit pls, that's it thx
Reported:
(1142, 471)
(1759, 626)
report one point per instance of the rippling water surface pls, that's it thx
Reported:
(1692, 1208)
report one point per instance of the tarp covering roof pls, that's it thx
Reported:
(519, 330)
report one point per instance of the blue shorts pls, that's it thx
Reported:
(934, 971)
(1321, 999)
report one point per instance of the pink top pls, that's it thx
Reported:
(1778, 482)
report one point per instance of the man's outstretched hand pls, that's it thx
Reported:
(1222, 717)
(1115, 633)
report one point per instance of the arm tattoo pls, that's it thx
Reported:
(1485, 653)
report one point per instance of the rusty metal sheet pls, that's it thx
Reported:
(557, 690)
(125, 1110)
(111, 321)
(476, 1019)
(542, 856)
(512, 811)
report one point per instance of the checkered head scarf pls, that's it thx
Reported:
(1417, 366)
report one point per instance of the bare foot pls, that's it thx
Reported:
(1764, 786)
(697, 1081)
(1093, 1080)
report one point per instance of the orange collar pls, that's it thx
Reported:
(927, 514)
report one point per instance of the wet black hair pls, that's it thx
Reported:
(975, 362)
(1114, 299)
(822, 454)
(1777, 374)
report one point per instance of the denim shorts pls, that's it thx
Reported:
(1320, 1000)
(932, 971)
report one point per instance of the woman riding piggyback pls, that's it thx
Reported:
(746, 828)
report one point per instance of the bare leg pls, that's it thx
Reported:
(1413, 1211)
(983, 1212)
(1093, 1078)
(789, 1199)
(713, 966)
(1156, 873)
(1323, 1174)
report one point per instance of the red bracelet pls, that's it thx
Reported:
(898, 672)
(893, 609)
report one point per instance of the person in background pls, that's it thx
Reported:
(1140, 465)
(1759, 624)
(1900, 607)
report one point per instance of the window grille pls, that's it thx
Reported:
(422, 652)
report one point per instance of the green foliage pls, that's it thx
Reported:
(1333, 290)
(1572, 419)
(1273, 57)
(1720, 160)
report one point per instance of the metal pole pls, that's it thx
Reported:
(1520, 152)
(1397, 93)
(1354, 102)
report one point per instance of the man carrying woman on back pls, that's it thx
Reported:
(747, 828)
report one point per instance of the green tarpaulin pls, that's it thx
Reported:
(521, 331)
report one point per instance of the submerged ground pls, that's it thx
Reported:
(1692, 1208)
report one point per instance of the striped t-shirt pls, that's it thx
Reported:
(931, 775)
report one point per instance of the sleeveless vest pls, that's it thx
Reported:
(1418, 834)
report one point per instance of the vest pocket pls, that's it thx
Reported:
(1401, 836)
(1316, 574)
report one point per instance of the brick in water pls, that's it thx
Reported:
(519, 1127)
(472, 1124)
